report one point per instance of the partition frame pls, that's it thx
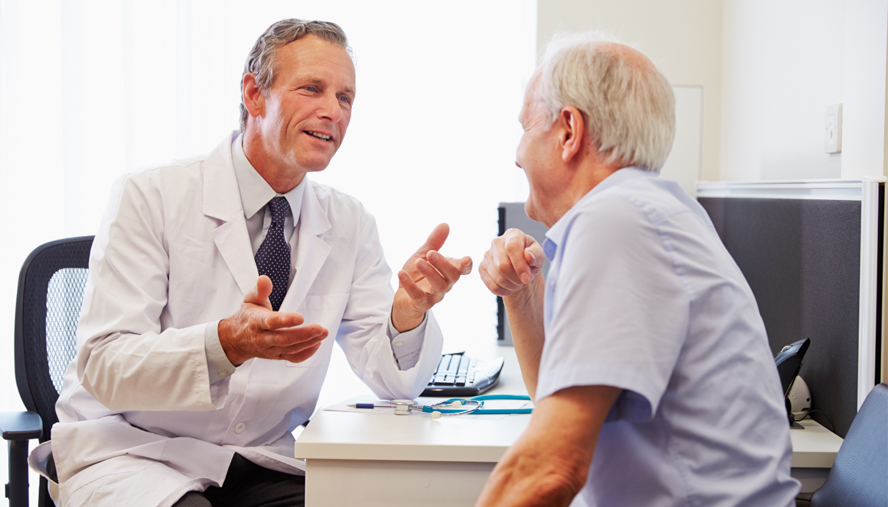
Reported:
(865, 190)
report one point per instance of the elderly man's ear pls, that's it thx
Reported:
(573, 131)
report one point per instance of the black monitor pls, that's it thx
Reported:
(789, 362)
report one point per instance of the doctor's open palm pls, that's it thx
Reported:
(258, 331)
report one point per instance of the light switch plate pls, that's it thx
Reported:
(832, 138)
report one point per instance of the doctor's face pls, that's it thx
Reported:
(307, 110)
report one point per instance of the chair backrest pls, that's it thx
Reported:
(47, 309)
(859, 476)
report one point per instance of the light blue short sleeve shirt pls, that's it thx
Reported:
(642, 295)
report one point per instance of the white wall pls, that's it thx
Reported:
(784, 62)
(683, 37)
(108, 86)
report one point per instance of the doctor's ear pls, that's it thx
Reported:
(573, 132)
(254, 99)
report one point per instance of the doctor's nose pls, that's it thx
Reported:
(330, 108)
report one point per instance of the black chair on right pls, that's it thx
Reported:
(47, 310)
(859, 476)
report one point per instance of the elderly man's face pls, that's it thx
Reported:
(308, 108)
(538, 156)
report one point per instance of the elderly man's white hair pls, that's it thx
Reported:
(628, 105)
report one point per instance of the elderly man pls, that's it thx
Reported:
(644, 349)
(214, 284)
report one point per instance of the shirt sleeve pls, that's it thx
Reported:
(406, 346)
(619, 311)
(218, 365)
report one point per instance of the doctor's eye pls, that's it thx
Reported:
(346, 99)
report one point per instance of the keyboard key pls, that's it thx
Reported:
(463, 365)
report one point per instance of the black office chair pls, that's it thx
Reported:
(859, 476)
(50, 292)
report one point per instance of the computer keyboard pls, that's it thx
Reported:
(460, 375)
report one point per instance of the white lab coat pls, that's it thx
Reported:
(140, 423)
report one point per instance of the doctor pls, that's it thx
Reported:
(217, 287)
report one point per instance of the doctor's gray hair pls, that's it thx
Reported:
(627, 103)
(262, 58)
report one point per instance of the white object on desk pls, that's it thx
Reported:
(814, 450)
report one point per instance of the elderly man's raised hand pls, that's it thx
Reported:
(258, 331)
(512, 262)
(426, 277)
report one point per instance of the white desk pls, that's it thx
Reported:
(813, 453)
(382, 460)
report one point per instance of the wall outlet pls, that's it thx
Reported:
(832, 138)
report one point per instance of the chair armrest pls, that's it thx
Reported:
(21, 425)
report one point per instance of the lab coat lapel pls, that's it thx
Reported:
(222, 201)
(311, 250)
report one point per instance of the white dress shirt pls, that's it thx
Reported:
(255, 194)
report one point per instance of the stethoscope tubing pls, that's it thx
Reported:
(480, 410)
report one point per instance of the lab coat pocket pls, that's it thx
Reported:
(326, 311)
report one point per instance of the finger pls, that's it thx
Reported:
(302, 355)
(449, 268)
(514, 247)
(500, 263)
(279, 320)
(498, 267)
(299, 347)
(295, 338)
(435, 240)
(494, 282)
(437, 281)
(413, 291)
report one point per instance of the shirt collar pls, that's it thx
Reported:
(255, 192)
(555, 234)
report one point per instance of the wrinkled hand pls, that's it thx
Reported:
(258, 331)
(426, 277)
(512, 262)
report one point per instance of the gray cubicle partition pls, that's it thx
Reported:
(812, 254)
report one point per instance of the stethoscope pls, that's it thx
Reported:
(453, 406)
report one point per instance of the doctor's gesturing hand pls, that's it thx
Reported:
(258, 331)
(426, 277)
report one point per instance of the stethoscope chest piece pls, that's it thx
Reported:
(402, 407)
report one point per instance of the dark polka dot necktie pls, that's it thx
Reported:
(273, 256)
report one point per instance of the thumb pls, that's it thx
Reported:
(534, 256)
(258, 295)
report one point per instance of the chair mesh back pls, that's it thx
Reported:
(64, 297)
(50, 293)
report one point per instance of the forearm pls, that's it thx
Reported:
(525, 311)
(549, 464)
